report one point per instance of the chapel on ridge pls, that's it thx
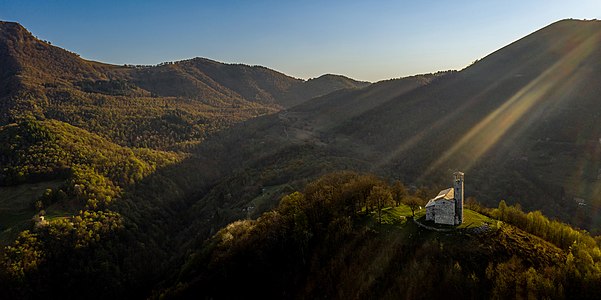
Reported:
(447, 207)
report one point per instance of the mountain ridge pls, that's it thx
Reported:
(26, 51)
(189, 98)
(421, 132)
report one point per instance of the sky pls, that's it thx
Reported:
(365, 40)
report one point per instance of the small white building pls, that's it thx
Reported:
(447, 206)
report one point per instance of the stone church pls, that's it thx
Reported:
(447, 207)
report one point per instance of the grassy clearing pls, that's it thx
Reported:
(16, 208)
(472, 219)
(21, 196)
(54, 212)
(268, 196)
(399, 215)
(395, 214)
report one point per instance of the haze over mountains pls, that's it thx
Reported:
(522, 121)
(200, 94)
(138, 165)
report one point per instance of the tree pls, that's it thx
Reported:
(421, 193)
(414, 203)
(379, 197)
(399, 191)
(502, 210)
(473, 204)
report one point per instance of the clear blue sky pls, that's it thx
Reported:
(369, 40)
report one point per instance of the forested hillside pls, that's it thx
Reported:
(321, 243)
(120, 181)
(166, 106)
(84, 192)
(522, 121)
(71, 226)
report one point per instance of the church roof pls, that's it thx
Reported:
(448, 194)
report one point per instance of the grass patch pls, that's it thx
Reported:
(54, 212)
(269, 195)
(472, 219)
(394, 214)
(420, 213)
(16, 208)
(398, 214)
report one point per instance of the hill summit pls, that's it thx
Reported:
(316, 244)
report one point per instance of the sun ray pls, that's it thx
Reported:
(487, 133)
(440, 123)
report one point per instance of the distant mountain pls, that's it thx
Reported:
(521, 122)
(41, 80)
(319, 86)
(253, 83)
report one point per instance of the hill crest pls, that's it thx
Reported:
(43, 81)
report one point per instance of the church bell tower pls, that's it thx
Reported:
(458, 186)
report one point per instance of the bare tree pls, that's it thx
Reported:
(399, 191)
(413, 202)
(379, 197)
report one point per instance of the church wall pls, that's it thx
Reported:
(444, 212)
(430, 213)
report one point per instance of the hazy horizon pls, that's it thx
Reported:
(364, 41)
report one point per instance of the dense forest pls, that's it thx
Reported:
(170, 105)
(346, 235)
(327, 242)
(71, 228)
(84, 208)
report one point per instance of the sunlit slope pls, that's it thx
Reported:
(522, 122)
(164, 106)
(531, 107)
(546, 80)
(58, 169)
(316, 244)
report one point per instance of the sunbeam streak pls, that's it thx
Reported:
(491, 129)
